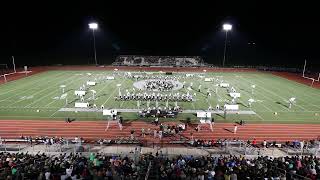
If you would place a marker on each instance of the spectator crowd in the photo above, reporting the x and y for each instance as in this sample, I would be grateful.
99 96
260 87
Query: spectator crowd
100 166
72 166
233 167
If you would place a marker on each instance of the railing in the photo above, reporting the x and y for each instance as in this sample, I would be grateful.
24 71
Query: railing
148 171
293 176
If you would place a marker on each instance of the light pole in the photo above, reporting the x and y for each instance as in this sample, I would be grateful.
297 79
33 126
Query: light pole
94 26
226 28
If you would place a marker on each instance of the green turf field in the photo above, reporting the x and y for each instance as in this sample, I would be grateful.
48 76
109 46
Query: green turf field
22 98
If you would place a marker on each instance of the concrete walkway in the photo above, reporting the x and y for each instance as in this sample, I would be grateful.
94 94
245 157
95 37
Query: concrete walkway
131 150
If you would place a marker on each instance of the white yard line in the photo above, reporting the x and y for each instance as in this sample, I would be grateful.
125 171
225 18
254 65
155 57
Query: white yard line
251 94
28 95
50 86
39 84
80 79
115 89
97 96
106 85
317 95
193 106
299 90
250 108
121 104
259 116
18 107
278 95
295 111
302 99
47 105
54 113
25 85
264 95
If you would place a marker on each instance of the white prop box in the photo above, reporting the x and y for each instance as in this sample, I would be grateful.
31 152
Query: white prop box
110 78
207 79
205 118
235 95
81 105
109 112
231 107
204 114
79 93
292 99
224 85
91 83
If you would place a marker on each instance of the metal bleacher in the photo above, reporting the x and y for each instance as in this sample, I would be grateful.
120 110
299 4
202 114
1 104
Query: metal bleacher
174 61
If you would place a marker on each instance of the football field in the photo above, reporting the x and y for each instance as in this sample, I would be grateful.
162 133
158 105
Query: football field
41 96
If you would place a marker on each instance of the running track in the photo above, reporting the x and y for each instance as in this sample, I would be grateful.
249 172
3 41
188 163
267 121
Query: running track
94 130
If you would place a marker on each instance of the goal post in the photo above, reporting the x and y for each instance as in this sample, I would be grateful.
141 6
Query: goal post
304 68
313 79
4 69
8 66
14 65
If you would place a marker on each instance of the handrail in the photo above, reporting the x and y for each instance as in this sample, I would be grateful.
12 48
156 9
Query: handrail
292 174
148 171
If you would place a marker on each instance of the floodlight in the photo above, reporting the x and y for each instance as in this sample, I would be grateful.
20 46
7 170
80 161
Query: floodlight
93 26
227 27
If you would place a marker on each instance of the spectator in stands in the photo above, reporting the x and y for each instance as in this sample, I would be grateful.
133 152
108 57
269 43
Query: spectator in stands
99 166
254 142
264 143
131 134
160 134
30 140
72 166
120 120
155 134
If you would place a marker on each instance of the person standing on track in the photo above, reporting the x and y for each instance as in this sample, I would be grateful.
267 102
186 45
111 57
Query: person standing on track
155 134
235 129
142 132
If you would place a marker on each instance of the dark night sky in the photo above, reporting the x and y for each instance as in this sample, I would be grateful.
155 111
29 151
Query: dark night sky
58 32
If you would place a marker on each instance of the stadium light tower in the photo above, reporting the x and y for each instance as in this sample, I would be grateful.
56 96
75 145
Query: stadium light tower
226 28
94 26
